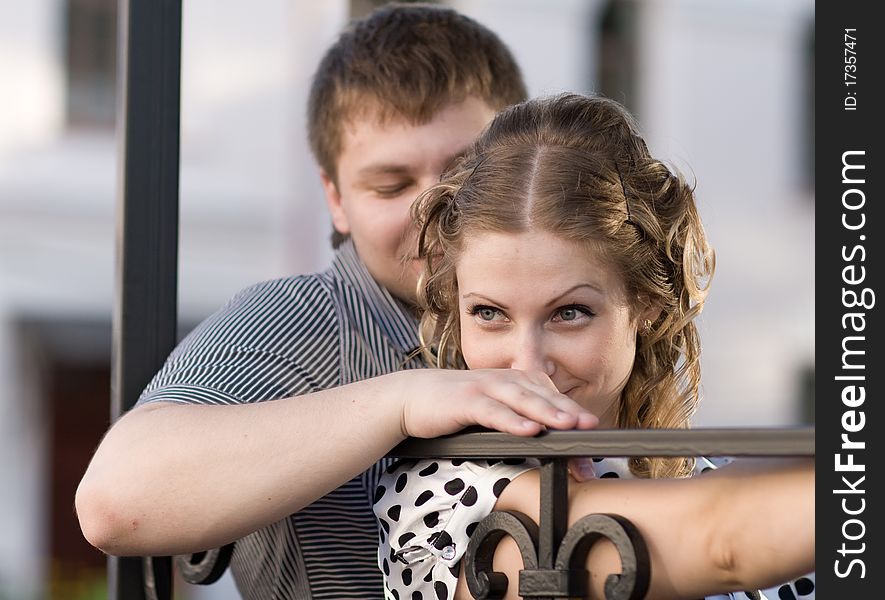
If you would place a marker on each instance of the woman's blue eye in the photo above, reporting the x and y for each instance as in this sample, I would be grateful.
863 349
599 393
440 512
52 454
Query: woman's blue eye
568 314
572 313
487 314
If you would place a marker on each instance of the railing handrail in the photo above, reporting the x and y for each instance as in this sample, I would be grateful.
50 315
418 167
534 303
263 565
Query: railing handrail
719 441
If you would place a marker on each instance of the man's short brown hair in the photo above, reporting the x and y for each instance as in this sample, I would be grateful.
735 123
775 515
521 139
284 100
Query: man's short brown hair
406 61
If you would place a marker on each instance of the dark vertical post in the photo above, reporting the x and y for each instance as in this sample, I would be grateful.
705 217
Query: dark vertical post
554 510
553 521
145 303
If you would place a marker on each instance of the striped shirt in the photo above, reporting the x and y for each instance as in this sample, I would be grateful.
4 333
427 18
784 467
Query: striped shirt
284 338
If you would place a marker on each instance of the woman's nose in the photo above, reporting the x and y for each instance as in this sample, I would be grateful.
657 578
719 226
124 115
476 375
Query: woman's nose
529 354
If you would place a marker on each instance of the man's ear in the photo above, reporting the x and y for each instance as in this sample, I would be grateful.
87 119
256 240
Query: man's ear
333 201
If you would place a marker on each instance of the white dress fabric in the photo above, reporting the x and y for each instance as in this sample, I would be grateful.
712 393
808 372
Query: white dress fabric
428 509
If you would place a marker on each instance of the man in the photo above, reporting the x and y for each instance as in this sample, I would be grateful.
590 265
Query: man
205 458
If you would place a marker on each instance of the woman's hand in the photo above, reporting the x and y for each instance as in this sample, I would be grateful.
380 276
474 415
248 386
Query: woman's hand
436 402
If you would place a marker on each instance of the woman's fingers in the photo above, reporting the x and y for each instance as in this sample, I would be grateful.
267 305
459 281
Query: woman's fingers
507 400
539 403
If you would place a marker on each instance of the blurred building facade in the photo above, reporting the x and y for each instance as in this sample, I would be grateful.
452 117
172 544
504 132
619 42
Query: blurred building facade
723 89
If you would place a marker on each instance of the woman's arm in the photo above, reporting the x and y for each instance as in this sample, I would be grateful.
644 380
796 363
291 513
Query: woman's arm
740 527
178 478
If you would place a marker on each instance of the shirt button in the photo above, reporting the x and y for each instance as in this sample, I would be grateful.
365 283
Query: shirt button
448 553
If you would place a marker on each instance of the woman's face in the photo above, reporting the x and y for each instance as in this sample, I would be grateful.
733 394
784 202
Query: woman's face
535 301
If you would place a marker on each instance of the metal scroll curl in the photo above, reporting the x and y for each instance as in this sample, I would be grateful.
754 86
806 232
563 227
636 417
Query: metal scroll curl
632 582
482 581
568 576
204 568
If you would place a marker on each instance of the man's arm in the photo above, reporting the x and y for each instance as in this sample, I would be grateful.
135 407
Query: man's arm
173 478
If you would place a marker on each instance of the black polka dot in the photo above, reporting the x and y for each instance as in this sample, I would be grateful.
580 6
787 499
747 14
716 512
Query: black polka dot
455 569
499 486
424 497
407 576
804 586
393 556
391 468
401 482
382 535
610 475
470 496
785 593
454 486
431 519
429 577
417 596
432 537
404 538
379 493
514 461
458 462
395 594
406 463
429 469
594 459
385 566
441 590
471 528
394 511
442 540
384 525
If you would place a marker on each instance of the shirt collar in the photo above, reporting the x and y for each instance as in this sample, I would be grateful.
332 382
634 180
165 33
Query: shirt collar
396 318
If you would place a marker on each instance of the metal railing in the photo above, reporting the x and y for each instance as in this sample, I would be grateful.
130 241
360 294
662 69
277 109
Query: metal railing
553 554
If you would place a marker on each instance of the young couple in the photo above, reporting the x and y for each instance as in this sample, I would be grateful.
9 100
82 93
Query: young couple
562 265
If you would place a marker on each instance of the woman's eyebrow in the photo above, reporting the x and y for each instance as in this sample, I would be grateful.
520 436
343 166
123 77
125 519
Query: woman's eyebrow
482 298
590 286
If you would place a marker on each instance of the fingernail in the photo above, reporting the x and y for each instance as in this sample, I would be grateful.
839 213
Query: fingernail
588 420
582 469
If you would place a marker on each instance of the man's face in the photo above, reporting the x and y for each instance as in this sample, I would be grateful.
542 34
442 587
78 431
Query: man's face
382 168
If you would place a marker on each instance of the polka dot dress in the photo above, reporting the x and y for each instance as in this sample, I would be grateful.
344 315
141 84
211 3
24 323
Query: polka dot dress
427 510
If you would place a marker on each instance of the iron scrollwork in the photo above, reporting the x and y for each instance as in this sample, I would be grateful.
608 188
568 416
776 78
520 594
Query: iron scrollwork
157 577
204 568
559 574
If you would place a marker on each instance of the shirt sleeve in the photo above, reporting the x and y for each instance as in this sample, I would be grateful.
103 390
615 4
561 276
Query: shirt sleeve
427 511
275 339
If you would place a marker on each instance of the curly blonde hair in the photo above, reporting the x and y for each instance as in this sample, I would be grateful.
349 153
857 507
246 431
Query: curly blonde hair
576 166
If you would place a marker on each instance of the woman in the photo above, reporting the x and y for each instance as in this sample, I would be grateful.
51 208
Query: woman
560 247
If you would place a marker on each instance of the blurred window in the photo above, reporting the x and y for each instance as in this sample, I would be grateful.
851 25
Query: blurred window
360 8
617 52
807 141
91 61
